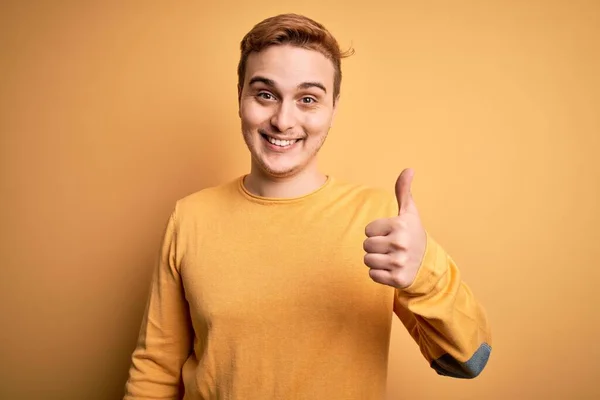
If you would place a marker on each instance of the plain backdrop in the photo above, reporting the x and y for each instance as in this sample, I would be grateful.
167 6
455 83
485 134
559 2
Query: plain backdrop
111 111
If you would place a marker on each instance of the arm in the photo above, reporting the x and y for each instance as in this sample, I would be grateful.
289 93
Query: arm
444 318
165 338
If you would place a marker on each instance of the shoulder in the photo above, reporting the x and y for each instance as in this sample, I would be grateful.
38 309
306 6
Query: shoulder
206 200
366 196
360 190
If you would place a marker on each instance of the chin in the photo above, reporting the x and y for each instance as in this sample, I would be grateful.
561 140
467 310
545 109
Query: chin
278 170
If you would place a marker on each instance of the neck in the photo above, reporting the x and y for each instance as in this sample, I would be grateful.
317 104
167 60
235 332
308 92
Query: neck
304 182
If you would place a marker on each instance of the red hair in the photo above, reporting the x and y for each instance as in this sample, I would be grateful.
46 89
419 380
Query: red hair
296 30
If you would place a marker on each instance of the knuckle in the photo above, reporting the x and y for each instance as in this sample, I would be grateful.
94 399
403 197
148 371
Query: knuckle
396 223
404 259
401 239
399 260
395 244
399 223
399 280
399 283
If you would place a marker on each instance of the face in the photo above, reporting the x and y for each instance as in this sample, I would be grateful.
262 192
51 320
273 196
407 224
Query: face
286 108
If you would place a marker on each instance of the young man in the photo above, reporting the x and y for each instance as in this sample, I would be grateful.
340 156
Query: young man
262 291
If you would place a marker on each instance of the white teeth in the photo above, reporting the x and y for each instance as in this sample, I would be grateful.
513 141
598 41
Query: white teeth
282 143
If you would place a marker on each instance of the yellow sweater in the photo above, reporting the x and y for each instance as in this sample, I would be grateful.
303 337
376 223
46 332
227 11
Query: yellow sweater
259 298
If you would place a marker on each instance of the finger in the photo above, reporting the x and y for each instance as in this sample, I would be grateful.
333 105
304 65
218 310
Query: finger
403 189
381 276
377 261
377 244
379 227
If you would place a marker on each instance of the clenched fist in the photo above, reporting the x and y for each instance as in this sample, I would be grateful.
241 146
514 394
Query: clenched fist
395 246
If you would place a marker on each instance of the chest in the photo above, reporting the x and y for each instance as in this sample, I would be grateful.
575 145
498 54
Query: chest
306 264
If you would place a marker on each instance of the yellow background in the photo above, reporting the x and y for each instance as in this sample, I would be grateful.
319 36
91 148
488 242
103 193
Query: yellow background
109 112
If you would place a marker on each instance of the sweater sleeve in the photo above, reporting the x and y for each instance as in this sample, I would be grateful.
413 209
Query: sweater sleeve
442 315
165 338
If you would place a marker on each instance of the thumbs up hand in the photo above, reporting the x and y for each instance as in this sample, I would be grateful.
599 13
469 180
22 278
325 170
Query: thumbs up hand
395 246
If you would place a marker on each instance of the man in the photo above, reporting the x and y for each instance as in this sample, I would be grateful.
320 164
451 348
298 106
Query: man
262 292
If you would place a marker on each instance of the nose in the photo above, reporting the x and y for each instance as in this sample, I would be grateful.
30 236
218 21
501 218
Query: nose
284 117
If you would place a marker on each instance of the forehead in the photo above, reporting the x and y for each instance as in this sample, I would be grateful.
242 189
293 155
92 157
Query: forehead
290 66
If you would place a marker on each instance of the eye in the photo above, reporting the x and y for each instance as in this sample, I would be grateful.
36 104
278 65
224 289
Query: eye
308 100
265 96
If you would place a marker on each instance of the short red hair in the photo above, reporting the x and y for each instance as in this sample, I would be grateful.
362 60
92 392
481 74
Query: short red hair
296 30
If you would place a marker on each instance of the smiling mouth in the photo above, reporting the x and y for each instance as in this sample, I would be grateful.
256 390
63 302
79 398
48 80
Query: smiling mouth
278 142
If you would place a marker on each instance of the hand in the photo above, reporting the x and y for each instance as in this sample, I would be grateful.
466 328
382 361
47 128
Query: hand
395 246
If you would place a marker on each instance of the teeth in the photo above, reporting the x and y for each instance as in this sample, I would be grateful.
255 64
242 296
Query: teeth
282 143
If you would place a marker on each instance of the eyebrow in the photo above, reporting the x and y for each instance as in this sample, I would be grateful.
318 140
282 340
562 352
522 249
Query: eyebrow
306 85
271 83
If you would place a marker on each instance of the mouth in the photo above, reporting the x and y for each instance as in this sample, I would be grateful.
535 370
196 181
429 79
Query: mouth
278 143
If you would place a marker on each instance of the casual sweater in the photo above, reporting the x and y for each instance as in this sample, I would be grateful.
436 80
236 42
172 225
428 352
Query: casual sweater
266 298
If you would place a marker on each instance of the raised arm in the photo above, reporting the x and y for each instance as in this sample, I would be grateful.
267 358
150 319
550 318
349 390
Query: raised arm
435 305
443 316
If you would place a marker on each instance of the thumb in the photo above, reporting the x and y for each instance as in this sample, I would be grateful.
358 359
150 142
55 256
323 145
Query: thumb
403 194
